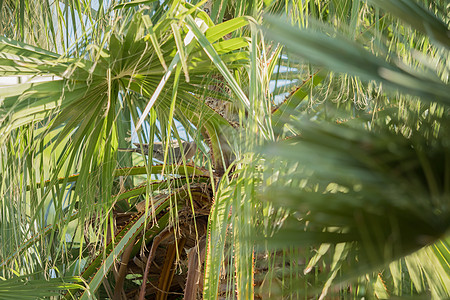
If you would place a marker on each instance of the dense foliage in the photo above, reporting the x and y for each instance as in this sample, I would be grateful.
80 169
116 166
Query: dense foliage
322 158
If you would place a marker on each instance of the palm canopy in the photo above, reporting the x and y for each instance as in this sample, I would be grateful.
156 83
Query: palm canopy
270 179
373 187
76 114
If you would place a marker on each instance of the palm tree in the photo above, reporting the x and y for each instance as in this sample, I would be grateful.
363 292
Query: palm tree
275 190
366 179
84 115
